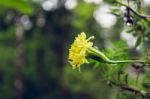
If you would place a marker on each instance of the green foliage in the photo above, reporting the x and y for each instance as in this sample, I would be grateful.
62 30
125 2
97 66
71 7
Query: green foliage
119 50
83 13
146 83
86 82
83 10
140 30
140 26
126 95
7 63
19 5
120 73
115 72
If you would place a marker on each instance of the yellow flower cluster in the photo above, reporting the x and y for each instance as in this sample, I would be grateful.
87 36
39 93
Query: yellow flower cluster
78 50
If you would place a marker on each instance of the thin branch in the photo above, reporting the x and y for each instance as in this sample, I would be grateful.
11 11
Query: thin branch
19 58
135 12
135 91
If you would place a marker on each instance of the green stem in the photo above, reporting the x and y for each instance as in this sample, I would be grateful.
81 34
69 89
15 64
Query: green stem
98 55
126 61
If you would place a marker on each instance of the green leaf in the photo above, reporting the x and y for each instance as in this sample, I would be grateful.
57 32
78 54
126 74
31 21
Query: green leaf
115 11
130 30
119 50
146 82
138 41
19 5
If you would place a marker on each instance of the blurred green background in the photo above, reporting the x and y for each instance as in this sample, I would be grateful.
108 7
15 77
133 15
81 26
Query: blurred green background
35 36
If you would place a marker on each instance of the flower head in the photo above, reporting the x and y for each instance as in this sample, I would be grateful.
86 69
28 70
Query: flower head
78 50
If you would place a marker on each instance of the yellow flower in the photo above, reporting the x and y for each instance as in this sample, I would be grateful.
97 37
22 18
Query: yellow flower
82 47
78 50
